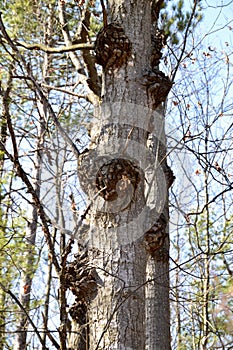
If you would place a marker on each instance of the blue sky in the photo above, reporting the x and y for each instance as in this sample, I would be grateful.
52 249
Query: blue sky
217 21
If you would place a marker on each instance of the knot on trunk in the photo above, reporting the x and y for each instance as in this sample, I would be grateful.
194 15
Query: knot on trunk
170 177
81 278
78 312
158 86
154 238
118 178
112 46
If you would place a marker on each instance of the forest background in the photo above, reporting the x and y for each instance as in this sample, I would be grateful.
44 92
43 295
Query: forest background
48 119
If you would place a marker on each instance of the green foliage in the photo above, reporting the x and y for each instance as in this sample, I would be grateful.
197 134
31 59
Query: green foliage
95 26
13 248
26 19
175 19
223 309
214 239
20 15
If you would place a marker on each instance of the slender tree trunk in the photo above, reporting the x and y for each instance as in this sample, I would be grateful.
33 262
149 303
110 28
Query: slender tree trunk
2 318
27 274
28 270
3 138
125 176
46 304
207 259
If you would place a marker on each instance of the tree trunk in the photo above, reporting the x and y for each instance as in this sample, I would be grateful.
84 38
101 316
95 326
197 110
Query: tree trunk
3 139
127 179
27 273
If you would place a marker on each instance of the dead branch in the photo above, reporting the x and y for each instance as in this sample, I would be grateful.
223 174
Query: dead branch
53 50
73 56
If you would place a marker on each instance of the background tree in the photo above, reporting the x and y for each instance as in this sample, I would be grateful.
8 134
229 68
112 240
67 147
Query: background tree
201 212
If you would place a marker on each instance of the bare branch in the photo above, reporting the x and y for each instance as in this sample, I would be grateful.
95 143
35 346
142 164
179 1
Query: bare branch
185 40
21 173
50 87
24 310
51 338
83 37
73 56
210 201
53 50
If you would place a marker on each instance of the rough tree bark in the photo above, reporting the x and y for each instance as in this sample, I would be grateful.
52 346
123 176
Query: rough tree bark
122 299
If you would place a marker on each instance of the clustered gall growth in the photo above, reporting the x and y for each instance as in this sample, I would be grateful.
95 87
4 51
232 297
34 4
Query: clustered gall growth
115 176
112 47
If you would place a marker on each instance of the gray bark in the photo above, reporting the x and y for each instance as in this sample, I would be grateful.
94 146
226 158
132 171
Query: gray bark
128 239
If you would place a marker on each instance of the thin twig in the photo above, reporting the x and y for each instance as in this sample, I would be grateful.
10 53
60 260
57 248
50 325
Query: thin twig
21 173
184 41
48 333
8 291
52 87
